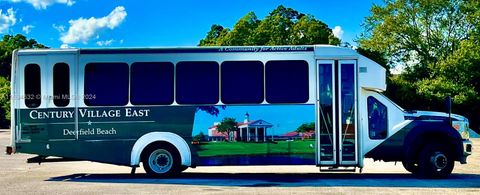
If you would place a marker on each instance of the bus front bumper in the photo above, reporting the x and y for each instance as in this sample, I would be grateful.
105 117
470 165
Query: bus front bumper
467 151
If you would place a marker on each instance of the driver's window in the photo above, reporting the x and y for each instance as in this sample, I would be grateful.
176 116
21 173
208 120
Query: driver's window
377 119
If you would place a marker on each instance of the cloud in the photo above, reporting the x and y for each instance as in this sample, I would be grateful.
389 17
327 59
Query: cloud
59 28
7 20
82 30
105 43
337 32
27 29
43 4
65 46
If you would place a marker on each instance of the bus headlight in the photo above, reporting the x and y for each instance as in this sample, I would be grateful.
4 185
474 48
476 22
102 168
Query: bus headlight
466 134
462 128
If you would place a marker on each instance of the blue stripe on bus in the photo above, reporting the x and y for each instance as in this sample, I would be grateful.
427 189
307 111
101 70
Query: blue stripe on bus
199 50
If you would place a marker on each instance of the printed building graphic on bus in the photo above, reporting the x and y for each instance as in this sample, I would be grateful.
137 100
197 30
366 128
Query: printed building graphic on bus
247 131
265 135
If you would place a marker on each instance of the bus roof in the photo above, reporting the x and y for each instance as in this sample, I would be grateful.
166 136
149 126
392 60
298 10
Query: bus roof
317 49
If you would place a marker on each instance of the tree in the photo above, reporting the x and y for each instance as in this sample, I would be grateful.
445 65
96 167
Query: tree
199 137
416 33
228 126
215 36
4 102
306 127
437 43
242 32
283 26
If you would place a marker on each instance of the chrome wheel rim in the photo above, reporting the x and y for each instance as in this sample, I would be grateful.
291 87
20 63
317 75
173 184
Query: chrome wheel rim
160 161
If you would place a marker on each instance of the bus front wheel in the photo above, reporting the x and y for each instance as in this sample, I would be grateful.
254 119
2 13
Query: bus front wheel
161 160
410 166
435 161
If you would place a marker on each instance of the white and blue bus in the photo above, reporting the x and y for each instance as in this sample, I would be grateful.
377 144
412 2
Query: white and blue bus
173 108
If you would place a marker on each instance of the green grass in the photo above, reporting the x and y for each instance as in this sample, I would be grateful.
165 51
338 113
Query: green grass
243 148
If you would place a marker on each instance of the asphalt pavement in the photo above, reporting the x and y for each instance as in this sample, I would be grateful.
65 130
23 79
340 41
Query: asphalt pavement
83 177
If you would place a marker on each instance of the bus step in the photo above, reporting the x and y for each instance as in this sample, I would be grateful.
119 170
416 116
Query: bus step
42 159
338 169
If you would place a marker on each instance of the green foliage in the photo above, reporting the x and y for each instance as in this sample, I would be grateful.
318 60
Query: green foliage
199 137
228 126
283 26
416 33
4 102
212 110
215 36
438 43
306 127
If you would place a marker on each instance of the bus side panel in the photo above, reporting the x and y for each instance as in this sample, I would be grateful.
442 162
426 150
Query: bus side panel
105 134
264 134
408 141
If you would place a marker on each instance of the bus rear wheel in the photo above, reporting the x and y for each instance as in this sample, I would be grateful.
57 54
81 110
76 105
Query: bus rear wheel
161 161
435 161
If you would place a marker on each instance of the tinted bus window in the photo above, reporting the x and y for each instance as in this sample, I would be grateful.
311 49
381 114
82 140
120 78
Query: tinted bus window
197 83
242 82
151 83
377 119
61 84
286 81
33 96
106 84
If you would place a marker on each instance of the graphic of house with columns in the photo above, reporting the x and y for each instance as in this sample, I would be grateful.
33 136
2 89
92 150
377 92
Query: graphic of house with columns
248 131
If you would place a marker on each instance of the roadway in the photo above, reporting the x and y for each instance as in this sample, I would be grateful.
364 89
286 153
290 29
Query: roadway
18 177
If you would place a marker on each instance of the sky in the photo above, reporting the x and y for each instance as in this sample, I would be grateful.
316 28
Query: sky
153 23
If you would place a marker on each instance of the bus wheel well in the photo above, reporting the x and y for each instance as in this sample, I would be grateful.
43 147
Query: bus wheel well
413 152
161 139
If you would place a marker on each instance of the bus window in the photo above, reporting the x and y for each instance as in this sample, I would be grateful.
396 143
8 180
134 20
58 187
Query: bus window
151 83
61 84
377 119
286 81
106 84
197 83
246 75
33 96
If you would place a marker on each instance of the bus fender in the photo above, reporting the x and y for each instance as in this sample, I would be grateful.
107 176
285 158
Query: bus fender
434 131
172 138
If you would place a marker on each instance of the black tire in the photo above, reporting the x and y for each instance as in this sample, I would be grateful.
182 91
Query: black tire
410 166
183 168
161 160
435 161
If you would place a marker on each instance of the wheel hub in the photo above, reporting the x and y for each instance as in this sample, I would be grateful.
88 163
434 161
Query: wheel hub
160 161
439 160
